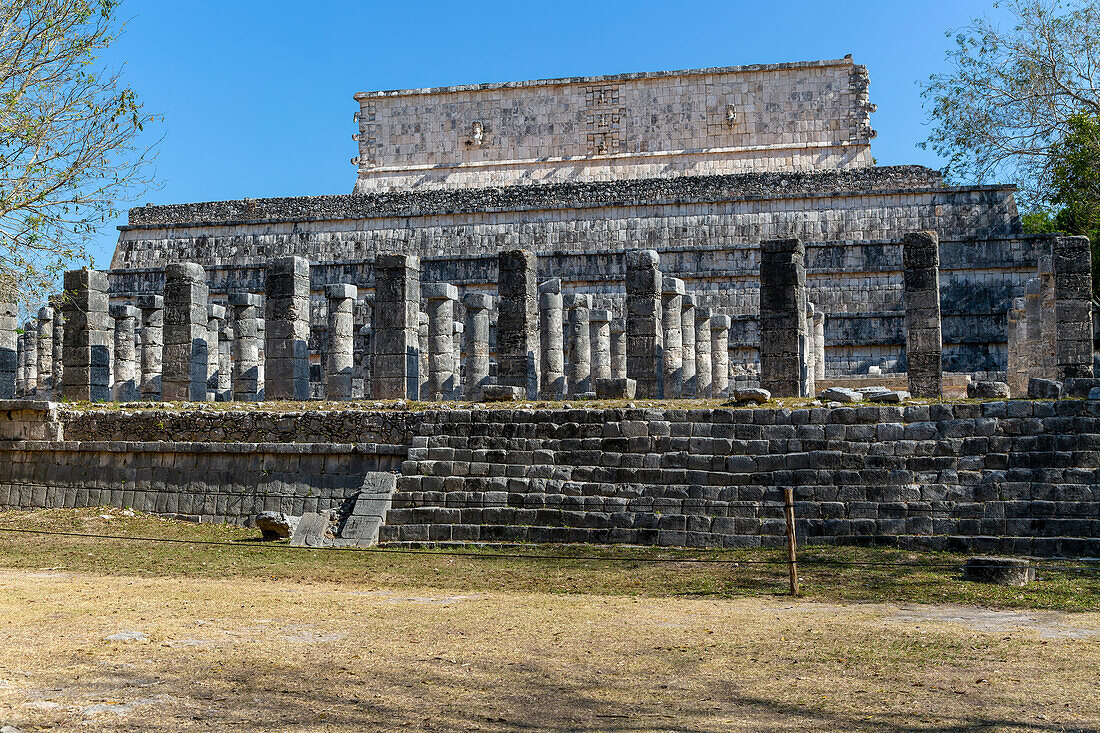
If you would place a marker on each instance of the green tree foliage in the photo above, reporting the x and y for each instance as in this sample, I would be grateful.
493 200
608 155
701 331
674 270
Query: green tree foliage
70 134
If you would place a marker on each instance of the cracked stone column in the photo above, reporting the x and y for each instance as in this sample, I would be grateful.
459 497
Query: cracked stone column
552 340
215 323
644 335
811 352
1023 350
1048 325
9 348
579 336
225 361
363 358
923 342
518 321
186 334
363 322
689 381
245 312
1033 316
618 348
30 349
783 338
86 352
340 354
599 321
422 349
1012 349
457 356
395 339
125 388
1073 307
152 343
720 355
819 345
57 302
441 298
286 321
672 305
704 379
20 365
478 307
45 353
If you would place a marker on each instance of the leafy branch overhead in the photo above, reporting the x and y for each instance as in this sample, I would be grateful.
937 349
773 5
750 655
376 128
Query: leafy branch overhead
70 136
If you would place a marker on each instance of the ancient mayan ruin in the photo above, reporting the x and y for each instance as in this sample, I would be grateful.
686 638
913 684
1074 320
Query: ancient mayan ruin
718 235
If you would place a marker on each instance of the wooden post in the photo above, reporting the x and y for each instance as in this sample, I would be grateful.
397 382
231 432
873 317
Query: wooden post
792 557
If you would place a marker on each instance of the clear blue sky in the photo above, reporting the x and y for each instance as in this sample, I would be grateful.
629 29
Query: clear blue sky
257 96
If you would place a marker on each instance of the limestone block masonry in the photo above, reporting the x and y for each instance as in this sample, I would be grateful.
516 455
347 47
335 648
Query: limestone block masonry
87 337
923 339
186 335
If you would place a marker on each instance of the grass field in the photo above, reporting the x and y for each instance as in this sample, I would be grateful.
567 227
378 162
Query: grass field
238 634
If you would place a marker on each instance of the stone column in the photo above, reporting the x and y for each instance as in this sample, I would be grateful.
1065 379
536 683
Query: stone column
783 338
244 312
643 322
1023 350
456 356
552 340
9 348
579 337
152 343
518 321
87 335
422 351
125 388
21 365
186 334
1048 322
286 320
215 322
618 348
1012 350
225 361
599 321
689 382
672 304
811 350
30 349
395 341
363 358
720 356
45 353
703 374
340 354
819 345
441 299
1073 307
1033 315
57 303
478 306
923 343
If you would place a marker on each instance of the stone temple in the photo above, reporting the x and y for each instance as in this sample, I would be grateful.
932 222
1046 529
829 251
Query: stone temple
699 165
712 235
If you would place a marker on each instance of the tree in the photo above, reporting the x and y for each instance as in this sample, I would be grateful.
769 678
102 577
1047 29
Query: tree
70 136
1011 95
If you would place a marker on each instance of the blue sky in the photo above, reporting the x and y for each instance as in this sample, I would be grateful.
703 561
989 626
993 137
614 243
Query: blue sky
257 96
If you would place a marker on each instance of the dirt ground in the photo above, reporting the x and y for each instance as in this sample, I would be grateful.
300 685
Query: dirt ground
82 651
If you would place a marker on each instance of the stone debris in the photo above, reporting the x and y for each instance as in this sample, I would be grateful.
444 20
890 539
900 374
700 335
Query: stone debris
888 397
502 393
841 394
750 394
275 525
128 636
987 391
314 530
1010 571
616 388
1043 389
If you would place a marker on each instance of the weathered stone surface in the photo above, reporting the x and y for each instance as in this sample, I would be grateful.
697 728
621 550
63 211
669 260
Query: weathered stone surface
517 320
286 324
87 337
750 394
1011 571
152 343
616 388
840 394
672 299
395 340
1043 389
244 311
340 354
314 529
126 387
783 333
1073 308
644 332
888 397
923 340
478 307
441 299
502 393
987 390
275 525
578 343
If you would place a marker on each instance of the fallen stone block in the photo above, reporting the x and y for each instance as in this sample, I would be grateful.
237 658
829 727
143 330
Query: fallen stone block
616 388
999 570
313 530
749 394
841 394
275 525
1043 389
987 391
1080 387
888 397
502 393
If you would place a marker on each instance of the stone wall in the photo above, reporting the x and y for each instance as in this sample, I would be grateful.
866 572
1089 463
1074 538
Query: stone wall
796 116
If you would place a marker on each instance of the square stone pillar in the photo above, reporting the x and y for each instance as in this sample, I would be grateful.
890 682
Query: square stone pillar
810 378
1047 319
458 341
819 345
9 348
186 333
30 351
672 303
215 324
783 338
226 336
599 321
689 380
923 341
1033 315
57 302
720 356
704 377
518 321
340 354
579 341
395 368
20 365
1012 348
478 307
422 349
45 353
644 334
244 315
86 352
286 320
551 341
1073 307
618 348
441 298
125 388
152 343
